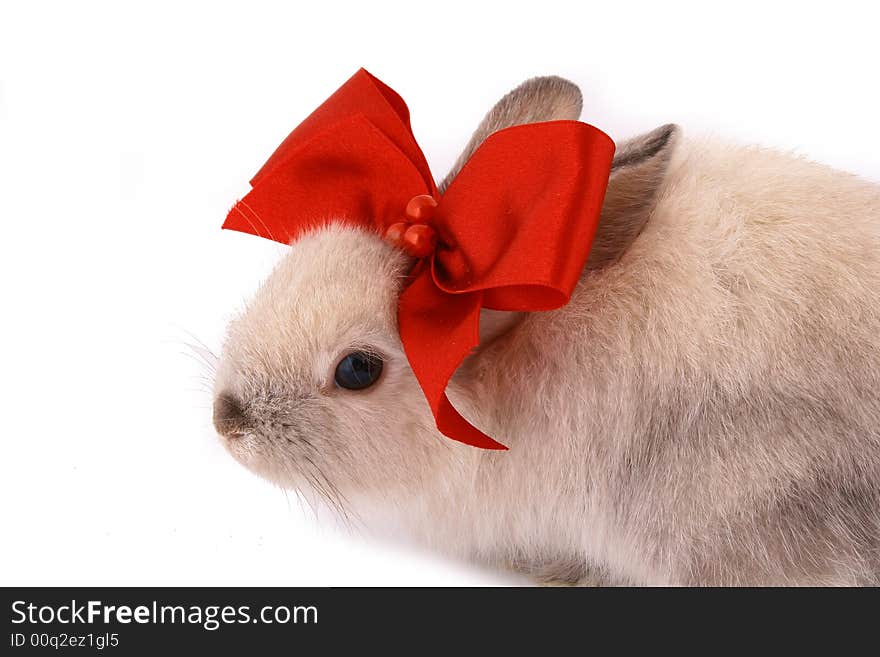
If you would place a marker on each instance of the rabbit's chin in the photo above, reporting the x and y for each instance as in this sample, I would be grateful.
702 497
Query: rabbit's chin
248 451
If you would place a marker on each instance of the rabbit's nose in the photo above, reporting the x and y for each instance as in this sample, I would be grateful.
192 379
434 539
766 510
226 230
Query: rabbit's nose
229 418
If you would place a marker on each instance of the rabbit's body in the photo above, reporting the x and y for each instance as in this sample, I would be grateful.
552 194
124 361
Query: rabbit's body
705 410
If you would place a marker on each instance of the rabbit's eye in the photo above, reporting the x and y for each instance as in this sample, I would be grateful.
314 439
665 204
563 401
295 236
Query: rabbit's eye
358 370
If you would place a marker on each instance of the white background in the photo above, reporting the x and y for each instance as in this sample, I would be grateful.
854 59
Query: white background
127 133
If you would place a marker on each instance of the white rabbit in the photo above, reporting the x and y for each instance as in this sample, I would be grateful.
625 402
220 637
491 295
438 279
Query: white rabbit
705 410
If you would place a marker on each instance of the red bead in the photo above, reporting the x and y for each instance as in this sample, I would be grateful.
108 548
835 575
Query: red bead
420 208
419 240
394 233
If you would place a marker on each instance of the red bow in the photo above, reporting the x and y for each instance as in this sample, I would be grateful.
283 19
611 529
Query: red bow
512 232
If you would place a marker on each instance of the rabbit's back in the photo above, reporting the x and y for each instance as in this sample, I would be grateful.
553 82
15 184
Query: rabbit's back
714 394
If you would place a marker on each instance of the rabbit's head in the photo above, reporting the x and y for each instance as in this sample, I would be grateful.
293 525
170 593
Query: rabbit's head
314 390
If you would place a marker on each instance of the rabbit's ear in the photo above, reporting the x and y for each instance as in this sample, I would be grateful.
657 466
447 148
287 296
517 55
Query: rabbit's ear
637 174
548 98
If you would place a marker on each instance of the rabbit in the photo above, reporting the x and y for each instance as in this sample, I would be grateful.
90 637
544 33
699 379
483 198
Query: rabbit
705 411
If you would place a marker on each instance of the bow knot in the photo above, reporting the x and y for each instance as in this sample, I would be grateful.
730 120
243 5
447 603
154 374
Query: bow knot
511 232
416 236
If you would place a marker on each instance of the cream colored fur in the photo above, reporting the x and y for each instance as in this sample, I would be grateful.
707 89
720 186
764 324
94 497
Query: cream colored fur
705 410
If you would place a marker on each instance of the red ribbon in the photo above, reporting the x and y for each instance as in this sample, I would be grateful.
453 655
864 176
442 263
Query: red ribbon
512 232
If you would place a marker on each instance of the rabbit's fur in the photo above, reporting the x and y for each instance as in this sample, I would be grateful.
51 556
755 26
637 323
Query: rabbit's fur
705 410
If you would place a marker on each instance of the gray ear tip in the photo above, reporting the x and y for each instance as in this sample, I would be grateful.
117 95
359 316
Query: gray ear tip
664 136
559 85
667 136
568 89
659 142
551 91
670 130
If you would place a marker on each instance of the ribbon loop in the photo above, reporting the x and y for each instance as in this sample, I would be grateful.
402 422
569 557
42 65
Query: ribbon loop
512 232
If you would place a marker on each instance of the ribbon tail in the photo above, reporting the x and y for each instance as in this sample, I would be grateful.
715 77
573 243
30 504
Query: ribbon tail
438 331
452 425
